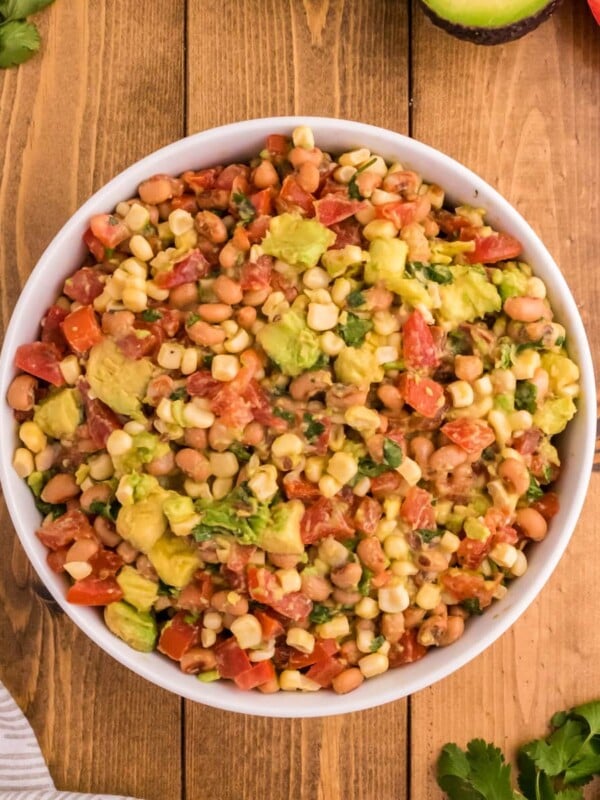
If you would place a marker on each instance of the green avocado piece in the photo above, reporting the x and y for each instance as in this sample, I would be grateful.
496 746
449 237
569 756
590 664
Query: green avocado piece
174 560
511 281
488 21
290 343
469 296
562 372
143 523
146 447
60 414
475 529
387 259
118 381
301 242
136 628
554 414
138 591
282 533
358 366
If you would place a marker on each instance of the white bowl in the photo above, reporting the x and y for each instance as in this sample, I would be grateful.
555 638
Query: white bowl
238 142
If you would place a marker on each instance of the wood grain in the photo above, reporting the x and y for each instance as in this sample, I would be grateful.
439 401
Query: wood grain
106 89
525 117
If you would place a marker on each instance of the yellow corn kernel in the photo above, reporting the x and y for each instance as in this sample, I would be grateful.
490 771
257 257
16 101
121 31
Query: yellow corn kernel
366 608
69 367
239 342
410 471
170 355
135 299
247 631
329 486
316 278
536 288
395 547
340 291
403 568
137 217
331 344
300 640
155 292
525 364
289 580
449 542
385 355
263 484
385 323
362 419
189 361
379 228
364 640
483 386
342 466
78 569
362 487
503 381
223 465
186 241
292 680
344 174
141 248
334 628
393 599
180 221
32 436
221 488
302 136
353 158
45 458
428 596
23 463
286 445
373 664
101 467
520 566
132 268
322 316
366 214
520 420
207 637
499 422
461 393
504 554
380 197
225 367
375 164
119 442
500 497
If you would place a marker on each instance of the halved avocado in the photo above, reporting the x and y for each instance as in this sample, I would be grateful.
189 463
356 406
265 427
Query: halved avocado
488 21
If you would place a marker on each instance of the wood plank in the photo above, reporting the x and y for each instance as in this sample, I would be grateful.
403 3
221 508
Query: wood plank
324 57
106 89
524 116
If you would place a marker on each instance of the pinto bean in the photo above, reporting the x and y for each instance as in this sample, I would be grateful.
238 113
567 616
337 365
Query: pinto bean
342 396
106 532
118 323
265 175
422 448
184 295
315 587
60 488
160 188
432 560
198 659
350 653
21 393
82 550
413 617
532 523
163 465
215 312
246 317
222 601
346 597
193 463
220 437
254 434
159 387
378 299
371 554
515 474
347 681
227 290
390 397
127 552
206 335
211 227
432 630
447 458
527 309
145 568
196 438
348 576
455 628
309 177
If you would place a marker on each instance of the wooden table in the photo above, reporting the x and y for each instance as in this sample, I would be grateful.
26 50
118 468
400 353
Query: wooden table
118 79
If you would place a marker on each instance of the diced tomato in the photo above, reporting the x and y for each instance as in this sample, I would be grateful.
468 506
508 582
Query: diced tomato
51 327
94 592
301 488
257 229
449 223
494 248
285 284
178 636
84 285
239 556
40 359
202 384
528 441
231 408
134 347
326 517
417 343
262 201
262 406
425 395
271 627
278 145
260 673
265 588
595 8
256 275
323 649
347 232
202 180
406 650
464 586
385 484
191 268
471 552
195 597
109 229
403 212
498 522
323 672
65 529
548 505
101 420
186 201
333 208
292 197
81 329
473 435
231 659
416 509
94 245
228 177
105 563
294 605
56 559
367 515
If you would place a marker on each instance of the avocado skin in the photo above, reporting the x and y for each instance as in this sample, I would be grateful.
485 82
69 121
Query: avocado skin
489 36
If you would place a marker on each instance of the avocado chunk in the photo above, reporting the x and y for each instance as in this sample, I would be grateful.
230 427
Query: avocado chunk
488 21
301 242
358 366
290 343
554 414
136 628
387 259
174 560
282 533
511 281
138 591
469 296
118 381
60 414
142 524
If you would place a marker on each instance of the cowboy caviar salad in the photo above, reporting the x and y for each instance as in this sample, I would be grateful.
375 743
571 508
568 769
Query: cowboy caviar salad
291 422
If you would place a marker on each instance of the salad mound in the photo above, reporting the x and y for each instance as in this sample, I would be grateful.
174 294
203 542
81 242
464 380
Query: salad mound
291 422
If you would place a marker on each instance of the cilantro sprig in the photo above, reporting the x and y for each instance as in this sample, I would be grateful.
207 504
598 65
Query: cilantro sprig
551 768
19 38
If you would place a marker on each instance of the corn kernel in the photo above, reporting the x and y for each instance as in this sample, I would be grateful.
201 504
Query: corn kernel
373 664
155 292
461 393
32 436
302 136
520 421
316 278
449 542
141 248
483 386
292 680
385 323
525 364
329 486
501 426
289 580
70 369
300 640
410 471
225 367
132 269
137 217
331 344
536 288
354 158
119 442
379 228
207 637
503 381
375 164
321 316
23 463
332 552
135 299
197 490
344 174
395 547
403 568
366 214
362 419
428 596
340 291
247 631
180 221
364 640
342 466
504 554
520 566
239 342
213 621
334 628
314 468
170 355
223 465
286 445
366 608
78 569
362 487
263 484
393 599
101 467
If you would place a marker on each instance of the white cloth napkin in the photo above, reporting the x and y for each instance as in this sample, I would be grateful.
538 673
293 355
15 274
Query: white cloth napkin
23 771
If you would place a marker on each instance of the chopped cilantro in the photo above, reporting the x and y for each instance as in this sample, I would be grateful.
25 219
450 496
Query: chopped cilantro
167 591
471 604
504 356
354 331
538 345
534 492
458 341
314 428
364 584
353 190
245 209
392 453
436 273
192 319
288 416
368 467
526 396
355 299
57 510
239 451
322 362
207 360
560 342
428 534
109 252
191 619
376 643
321 613
178 394
107 510
151 315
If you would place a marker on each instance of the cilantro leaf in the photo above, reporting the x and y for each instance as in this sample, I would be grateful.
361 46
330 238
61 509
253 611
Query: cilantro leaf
19 9
321 613
436 273
534 493
458 342
178 394
392 453
57 510
239 451
288 416
192 319
314 428
353 190
526 396
245 208
472 605
19 40
151 315
427 534
569 794
368 467
364 584
355 329
355 299
376 643
590 712
107 510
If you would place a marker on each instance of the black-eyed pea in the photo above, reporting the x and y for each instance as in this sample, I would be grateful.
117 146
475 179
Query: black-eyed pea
532 523
515 474
347 681
60 488
454 630
21 393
